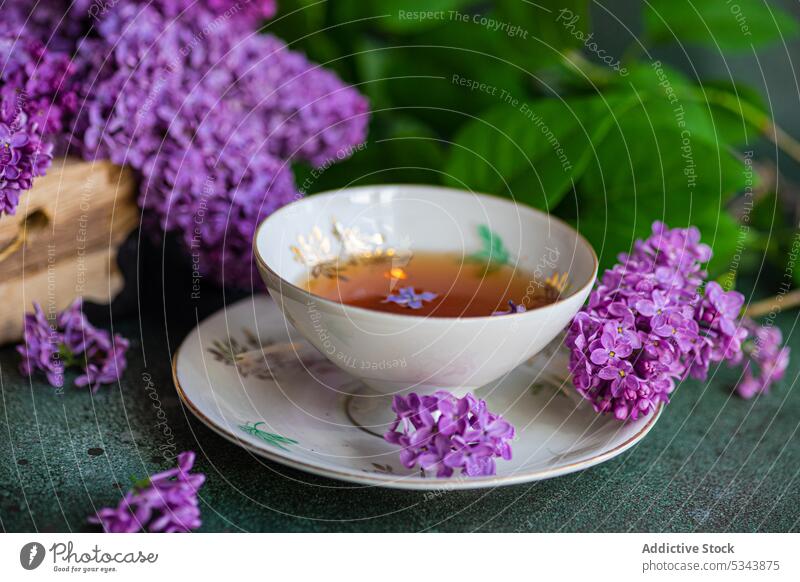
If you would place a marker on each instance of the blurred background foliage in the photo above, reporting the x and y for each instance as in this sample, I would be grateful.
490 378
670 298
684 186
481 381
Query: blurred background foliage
564 106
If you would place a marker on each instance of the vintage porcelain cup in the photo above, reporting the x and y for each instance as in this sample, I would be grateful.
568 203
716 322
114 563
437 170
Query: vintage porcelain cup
399 353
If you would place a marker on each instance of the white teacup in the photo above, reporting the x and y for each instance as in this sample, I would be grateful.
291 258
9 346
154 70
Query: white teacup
399 353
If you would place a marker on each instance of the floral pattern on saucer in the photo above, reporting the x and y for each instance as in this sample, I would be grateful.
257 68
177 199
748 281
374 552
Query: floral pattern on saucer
310 415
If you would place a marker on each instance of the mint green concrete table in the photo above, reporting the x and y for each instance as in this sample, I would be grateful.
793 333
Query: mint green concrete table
714 462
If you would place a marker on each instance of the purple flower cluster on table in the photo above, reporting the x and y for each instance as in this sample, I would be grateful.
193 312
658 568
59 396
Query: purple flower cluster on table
407 297
653 321
166 502
767 361
444 433
51 346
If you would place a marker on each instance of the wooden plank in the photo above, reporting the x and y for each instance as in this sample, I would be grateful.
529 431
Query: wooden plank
95 277
77 205
62 242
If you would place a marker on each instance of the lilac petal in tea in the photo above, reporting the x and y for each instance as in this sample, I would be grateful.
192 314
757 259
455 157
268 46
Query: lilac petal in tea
407 297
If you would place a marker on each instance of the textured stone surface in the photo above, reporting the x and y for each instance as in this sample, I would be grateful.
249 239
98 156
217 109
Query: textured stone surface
714 462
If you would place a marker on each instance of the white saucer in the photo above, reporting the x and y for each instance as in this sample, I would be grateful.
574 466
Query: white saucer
288 403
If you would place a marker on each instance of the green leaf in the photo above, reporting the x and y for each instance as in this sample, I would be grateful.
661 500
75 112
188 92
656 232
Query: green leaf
139 483
403 16
438 93
550 28
453 72
295 16
670 100
650 167
531 151
372 61
737 110
306 27
66 356
711 112
400 150
730 25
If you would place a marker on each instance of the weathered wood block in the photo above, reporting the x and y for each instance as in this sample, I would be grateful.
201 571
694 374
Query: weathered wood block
62 242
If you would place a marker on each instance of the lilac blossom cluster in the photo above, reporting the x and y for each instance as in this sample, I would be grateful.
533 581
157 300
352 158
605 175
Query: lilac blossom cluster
767 359
36 82
652 321
445 433
64 23
212 115
37 98
70 340
165 502
23 156
246 14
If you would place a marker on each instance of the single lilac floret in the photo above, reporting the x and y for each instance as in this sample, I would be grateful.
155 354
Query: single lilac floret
512 308
443 433
166 502
407 297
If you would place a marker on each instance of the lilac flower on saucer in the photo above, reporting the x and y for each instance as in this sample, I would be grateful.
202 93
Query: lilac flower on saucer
512 308
407 297
441 432
164 502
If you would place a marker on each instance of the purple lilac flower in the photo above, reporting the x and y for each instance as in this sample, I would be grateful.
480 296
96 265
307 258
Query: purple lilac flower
767 361
42 347
166 502
407 297
651 321
212 202
37 98
212 126
59 23
64 22
165 82
35 81
23 156
512 308
445 433
182 91
612 348
68 339
247 15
